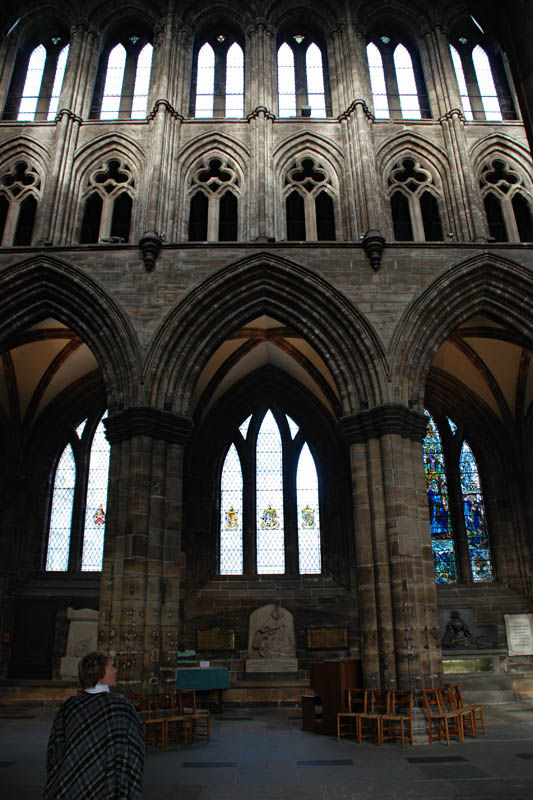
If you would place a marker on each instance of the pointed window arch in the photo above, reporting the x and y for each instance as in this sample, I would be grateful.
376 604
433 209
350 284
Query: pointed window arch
268 459
214 201
377 82
457 517
507 196
463 89
303 87
21 192
414 202
442 538
78 502
218 84
405 77
474 513
123 80
396 79
37 80
108 203
485 81
309 202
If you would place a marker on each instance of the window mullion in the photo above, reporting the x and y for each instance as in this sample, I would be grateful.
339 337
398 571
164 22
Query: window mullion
300 78
474 92
78 509
393 92
464 574
219 93
128 84
310 218
416 218
47 84
212 219
290 510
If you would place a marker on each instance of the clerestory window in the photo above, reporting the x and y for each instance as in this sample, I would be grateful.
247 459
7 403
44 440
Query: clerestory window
303 86
269 499
123 80
396 80
76 525
37 81
459 534
218 82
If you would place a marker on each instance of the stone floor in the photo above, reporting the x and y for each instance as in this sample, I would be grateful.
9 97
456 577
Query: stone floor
264 755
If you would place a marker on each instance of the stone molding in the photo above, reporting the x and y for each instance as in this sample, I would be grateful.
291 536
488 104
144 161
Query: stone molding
387 419
148 421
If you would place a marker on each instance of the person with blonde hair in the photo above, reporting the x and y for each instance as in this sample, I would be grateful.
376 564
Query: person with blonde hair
96 745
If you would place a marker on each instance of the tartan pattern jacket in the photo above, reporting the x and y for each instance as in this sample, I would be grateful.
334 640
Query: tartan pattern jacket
95 750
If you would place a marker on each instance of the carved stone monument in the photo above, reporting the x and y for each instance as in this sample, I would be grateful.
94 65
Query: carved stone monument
271 643
82 637
460 632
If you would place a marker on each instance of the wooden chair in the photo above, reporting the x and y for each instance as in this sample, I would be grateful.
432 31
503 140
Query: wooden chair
449 703
154 727
441 723
372 718
199 718
348 721
456 701
399 718
178 725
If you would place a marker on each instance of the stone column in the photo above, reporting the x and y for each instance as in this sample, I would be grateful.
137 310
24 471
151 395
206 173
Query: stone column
365 205
446 100
139 596
396 583
260 102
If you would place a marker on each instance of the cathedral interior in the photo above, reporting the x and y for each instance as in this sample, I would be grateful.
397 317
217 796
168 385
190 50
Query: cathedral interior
265 332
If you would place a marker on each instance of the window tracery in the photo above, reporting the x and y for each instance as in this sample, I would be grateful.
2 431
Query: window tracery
20 191
507 201
123 79
76 539
267 457
37 81
396 79
214 190
302 78
218 85
414 202
309 202
108 203
456 506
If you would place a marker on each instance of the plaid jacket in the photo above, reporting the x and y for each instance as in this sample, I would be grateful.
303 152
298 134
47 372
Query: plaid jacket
96 750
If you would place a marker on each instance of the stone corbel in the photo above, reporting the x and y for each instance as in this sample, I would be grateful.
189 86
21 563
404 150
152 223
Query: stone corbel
373 243
150 244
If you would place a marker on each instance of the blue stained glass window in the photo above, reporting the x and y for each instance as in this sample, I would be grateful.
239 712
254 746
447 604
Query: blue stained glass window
439 516
475 521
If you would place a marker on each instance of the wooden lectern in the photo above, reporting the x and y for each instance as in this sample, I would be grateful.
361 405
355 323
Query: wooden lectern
330 680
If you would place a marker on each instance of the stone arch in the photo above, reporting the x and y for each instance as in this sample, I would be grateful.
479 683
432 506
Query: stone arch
266 284
408 18
88 158
485 284
46 287
498 144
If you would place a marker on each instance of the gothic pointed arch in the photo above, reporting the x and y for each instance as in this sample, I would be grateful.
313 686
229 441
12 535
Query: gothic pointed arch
46 287
498 288
258 285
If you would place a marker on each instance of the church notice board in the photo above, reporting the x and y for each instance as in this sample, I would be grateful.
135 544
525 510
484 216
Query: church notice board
519 628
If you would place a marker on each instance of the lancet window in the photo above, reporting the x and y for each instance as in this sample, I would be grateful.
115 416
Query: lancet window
123 80
396 80
303 86
260 513
20 191
414 203
218 84
78 504
309 202
108 203
507 200
37 81
213 210
459 534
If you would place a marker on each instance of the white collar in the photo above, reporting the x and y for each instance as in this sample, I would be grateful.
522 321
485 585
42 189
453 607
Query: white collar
100 687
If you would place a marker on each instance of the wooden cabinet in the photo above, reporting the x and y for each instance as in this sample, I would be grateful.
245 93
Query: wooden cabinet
329 680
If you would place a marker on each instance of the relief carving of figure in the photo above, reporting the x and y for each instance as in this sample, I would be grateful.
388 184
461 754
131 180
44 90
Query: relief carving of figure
271 633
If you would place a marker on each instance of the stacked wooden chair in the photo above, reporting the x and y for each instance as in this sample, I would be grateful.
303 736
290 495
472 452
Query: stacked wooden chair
178 724
473 714
398 721
371 720
349 722
442 722
154 727
199 718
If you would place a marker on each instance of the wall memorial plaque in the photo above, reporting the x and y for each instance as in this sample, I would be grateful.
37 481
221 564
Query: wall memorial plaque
519 629
327 638
215 639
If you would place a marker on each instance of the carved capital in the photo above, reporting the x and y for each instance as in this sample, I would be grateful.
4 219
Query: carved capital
384 420
373 244
148 421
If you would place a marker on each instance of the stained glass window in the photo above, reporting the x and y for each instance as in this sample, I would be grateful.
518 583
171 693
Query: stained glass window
487 89
231 551
308 514
439 516
269 499
405 77
475 522
32 84
142 83
205 85
315 81
244 427
61 516
292 426
63 511
113 83
93 539
235 81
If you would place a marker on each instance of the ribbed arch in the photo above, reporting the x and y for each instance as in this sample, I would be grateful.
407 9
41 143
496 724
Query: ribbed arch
46 287
264 284
488 285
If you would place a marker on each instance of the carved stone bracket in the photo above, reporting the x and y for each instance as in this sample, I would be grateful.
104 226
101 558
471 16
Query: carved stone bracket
383 420
373 244
148 421
150 244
